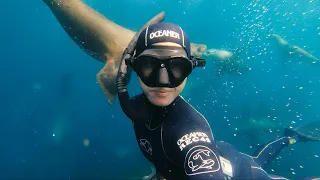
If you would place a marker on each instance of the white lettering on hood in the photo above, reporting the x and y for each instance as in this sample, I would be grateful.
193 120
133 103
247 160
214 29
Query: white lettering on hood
161 33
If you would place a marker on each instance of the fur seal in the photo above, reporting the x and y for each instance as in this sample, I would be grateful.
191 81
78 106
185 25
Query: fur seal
226 62
292 51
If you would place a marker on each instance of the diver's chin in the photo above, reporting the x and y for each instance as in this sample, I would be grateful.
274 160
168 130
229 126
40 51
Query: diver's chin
161 99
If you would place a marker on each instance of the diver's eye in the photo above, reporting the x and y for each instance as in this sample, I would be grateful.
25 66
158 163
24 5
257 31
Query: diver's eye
147 68
179 67
146 65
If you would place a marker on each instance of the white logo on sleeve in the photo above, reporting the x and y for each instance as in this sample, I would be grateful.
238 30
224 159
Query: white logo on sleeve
199 160
226 167
191 138
146 146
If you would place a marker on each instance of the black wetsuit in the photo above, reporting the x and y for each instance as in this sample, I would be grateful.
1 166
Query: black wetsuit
178 140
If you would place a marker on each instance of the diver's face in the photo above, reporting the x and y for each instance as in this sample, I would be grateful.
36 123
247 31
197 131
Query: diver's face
161 96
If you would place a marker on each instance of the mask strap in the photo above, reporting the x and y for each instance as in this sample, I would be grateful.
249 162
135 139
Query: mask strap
198 62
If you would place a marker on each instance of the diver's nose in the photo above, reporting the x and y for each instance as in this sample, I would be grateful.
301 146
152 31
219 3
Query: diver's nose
163 75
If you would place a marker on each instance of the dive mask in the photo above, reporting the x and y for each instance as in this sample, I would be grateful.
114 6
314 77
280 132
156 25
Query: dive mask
164 66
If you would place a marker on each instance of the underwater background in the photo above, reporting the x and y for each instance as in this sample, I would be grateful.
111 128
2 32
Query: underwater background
55 122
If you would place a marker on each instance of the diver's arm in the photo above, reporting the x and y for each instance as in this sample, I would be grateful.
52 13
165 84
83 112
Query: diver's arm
93 33
200 160
266 153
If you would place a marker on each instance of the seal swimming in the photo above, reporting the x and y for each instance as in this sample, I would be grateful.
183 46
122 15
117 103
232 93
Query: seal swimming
288 50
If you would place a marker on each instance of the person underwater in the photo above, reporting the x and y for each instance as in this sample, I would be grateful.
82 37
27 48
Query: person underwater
173 135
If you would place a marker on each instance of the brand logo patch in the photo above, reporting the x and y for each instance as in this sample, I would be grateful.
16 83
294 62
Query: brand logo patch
162 33
199 160
146 146
192 137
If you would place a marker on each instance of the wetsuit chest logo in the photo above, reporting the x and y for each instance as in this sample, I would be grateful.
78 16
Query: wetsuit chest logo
191 138
199 160
146 146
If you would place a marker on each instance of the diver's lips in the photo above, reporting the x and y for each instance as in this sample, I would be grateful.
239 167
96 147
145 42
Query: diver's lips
160 92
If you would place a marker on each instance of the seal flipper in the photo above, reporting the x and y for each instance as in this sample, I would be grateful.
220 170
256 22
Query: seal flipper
106 81
107 78
96 35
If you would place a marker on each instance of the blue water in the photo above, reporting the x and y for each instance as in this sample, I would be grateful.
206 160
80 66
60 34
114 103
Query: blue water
42 137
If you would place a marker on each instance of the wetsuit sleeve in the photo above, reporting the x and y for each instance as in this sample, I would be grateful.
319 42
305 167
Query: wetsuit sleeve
269 151
192 147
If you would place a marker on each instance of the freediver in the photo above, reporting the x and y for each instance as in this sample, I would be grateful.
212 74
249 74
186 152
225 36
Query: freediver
172 135
167 125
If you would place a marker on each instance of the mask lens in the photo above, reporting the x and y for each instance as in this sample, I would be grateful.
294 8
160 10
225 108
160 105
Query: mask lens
146 66
162 72
179 67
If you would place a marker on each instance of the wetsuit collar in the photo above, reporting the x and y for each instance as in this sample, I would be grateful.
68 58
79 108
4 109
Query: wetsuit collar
158 114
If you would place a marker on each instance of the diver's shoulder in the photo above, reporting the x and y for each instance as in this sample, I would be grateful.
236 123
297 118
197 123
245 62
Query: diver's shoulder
183 102
187 120
139 101
189 109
